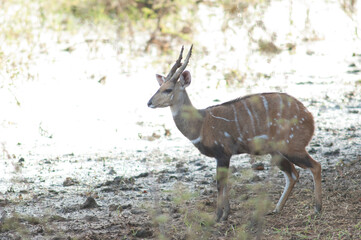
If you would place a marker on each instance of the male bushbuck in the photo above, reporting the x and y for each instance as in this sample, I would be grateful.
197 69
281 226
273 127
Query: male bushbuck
265 123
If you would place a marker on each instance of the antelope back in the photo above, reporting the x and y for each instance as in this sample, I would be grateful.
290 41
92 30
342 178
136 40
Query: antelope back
259 124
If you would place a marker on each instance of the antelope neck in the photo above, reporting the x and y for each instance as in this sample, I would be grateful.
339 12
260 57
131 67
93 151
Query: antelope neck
187 118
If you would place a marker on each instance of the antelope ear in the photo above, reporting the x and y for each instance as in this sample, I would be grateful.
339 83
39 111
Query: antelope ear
160 79
185 79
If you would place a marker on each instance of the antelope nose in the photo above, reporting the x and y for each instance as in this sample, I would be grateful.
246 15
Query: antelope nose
149 102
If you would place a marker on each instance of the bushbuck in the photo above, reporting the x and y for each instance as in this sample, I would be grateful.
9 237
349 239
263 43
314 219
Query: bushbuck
266 123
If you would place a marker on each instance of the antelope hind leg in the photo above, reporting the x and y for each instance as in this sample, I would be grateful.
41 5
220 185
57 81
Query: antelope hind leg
305 161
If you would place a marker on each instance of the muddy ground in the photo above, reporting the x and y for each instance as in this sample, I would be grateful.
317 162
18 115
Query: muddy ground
178 203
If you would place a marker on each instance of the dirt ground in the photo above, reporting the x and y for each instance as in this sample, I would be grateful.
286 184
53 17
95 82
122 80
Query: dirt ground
149 208
178 201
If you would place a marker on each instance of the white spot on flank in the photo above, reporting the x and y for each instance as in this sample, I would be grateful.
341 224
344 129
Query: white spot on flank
291 136
265 137
295 116
302 119
250 117
215 142
222 118
240 139
262 136
287 141
226 134
292 129
197 140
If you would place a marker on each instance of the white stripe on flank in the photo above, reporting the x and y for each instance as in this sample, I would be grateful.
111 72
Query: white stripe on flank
265 104
298 108
237 123
250 117
281 104
225 119
197 140
255 115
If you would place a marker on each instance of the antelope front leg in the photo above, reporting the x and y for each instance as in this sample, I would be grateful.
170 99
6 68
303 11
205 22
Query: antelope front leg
223 207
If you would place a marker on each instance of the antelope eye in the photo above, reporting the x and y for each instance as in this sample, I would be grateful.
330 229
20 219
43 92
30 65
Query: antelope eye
168 90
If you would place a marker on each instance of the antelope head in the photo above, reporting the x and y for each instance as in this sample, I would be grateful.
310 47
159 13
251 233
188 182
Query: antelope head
171 90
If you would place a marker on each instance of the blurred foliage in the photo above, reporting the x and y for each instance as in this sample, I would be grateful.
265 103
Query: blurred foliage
233 77
164 20
141 24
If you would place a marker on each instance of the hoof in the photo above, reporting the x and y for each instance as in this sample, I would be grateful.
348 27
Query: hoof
219 215
222 216
318 209
274 212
